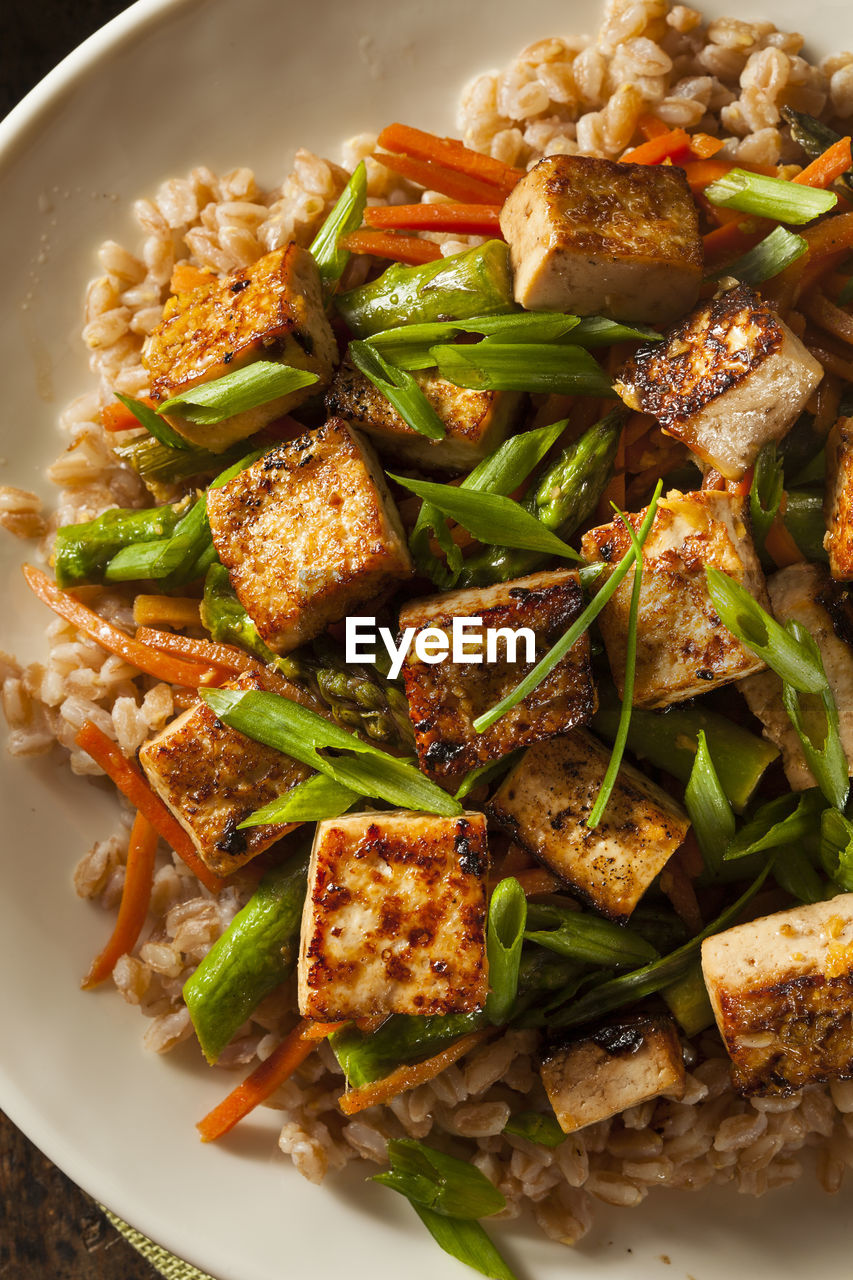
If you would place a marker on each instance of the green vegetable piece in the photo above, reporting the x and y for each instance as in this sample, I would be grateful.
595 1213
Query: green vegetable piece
81 552
155 425
805 523
784 821
477 282
256 953
598 331
765 494
770 197
709 808
794 872
410 346
556 368
400 389
310 801
345 216
688 1002
225 618
766 259
159 465
536 1127
815 718
466 1241
448 1186
257 383
814 137
579 935
402 1038
504 936
836 848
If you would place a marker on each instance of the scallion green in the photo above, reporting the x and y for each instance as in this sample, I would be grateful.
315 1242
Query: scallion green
836 848
524 366
451 1187
313 800
765 493
400 389
579 935
786 820
258 383
152 422
465 1240
764 197
504 936
766 259
345 216
536 1127
815 718
709 809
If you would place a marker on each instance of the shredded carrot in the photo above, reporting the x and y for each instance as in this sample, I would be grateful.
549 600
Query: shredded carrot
151 661
732 239
651 127
135 900
319 1030
225 656
451 154
130 782
823 171
740 488
117 417
537 880
638 425
186 277
700 173
258 1086
657 149
704 145
165 611
828 316
713 481
465 219
408 1077
781 547
387 244
435 177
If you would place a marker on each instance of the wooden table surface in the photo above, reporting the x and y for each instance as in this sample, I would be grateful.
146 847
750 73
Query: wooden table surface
49 1229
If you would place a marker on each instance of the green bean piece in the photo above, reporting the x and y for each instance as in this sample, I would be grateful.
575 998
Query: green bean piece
82 552
477 282
402 1038
256 953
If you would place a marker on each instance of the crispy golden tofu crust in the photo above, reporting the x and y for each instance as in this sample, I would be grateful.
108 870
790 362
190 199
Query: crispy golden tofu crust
394 919
446 698
838 504
212 777
683 649
544 803
272 311
307 531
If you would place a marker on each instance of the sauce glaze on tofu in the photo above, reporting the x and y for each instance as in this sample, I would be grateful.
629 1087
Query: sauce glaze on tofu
727 380
683 649
543 803
782 992
591 236
272 311
395 916
447 697
307 531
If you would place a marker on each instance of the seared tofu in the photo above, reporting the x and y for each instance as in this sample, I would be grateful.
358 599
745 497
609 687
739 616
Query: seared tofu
838 503
476 421
796 593
212 777
270 311
593 237
395 917
545 801
683 649
446 697
307 531
782 992
617 1065
726 381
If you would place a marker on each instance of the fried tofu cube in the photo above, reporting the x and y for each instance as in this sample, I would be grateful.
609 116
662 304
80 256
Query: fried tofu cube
619 1064
272 310
838 503
798 592
307 531
476 422
543 803
212 777
593 237
729 379
395 917
683 649
782 992
447 695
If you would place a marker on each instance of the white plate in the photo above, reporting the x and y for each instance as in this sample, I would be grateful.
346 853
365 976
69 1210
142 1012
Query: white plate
234 82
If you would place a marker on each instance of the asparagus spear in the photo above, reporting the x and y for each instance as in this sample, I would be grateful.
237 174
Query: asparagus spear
82 552
477 282
401 1038
256 954
225 618
561 497
159 466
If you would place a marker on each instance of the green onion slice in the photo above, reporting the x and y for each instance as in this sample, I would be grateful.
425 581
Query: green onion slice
346 216
465 1240
765 197
598 331
578 935
794 872
310 801
504 936
836 848
815 718
784 821
451 1187
400 389
258 383
766 259
765 493
709 809
523 366
153 423
536 1127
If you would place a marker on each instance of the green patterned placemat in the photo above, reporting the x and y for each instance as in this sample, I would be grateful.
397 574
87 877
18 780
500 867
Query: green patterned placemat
170 1267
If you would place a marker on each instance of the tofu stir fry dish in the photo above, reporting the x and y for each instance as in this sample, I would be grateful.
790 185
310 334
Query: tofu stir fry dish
451 576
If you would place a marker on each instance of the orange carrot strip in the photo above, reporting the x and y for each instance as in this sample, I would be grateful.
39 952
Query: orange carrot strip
135 900
407 1077
451 153
169 611
537 880
828 316
459 186
387 244
319 1030
225 656
700 173
152 662
730 241
117 417
740 488
823 171
651 127
258 1086
130 782
657 149
466 219
186 277
781 547
704 145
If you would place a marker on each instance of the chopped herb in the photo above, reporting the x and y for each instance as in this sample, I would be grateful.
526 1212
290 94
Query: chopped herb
258 383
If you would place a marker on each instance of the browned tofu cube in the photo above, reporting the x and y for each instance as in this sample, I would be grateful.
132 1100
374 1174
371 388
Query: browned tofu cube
270 311
617 1065
683 649
799 593
593 237
476 422
212 777
307 531
545 800
727 380
782 992
395 917
446 696
838 504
